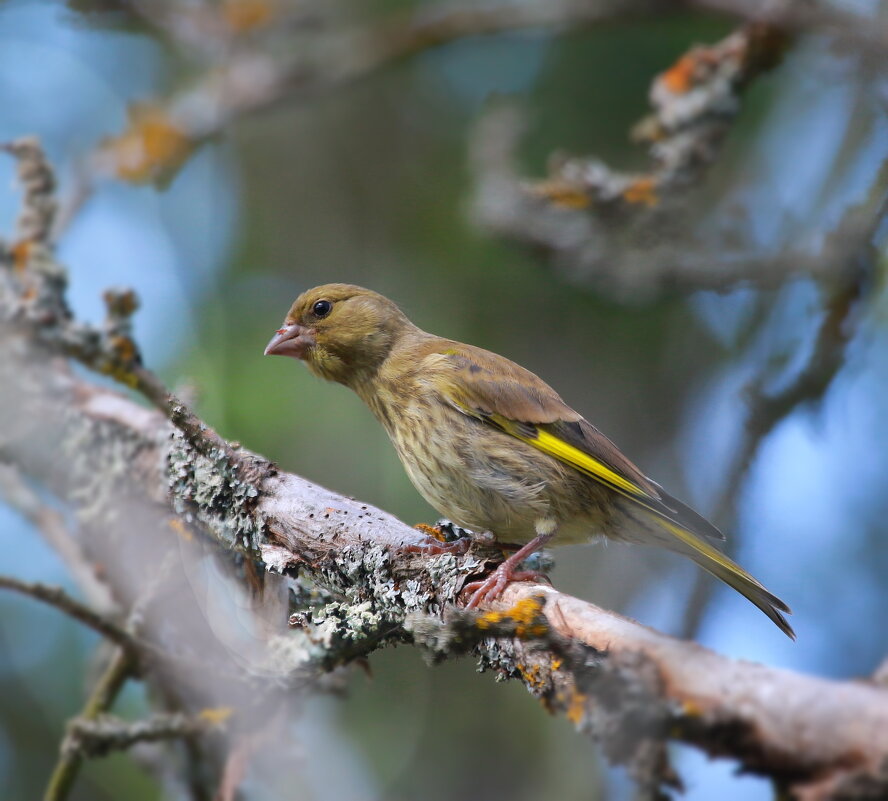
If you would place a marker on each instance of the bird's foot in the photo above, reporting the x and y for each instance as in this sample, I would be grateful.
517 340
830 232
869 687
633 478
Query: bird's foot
494 585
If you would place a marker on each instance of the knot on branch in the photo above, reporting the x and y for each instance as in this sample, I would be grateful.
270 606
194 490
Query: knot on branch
121 303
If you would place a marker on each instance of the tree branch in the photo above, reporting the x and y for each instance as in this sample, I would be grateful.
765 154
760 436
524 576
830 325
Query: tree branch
842 298
59 536
102 697
627 233
98 736
58 598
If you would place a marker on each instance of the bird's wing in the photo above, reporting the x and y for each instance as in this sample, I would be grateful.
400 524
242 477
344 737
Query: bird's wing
502 394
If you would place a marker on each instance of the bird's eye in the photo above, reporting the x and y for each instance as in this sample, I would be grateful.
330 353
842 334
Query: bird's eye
321 308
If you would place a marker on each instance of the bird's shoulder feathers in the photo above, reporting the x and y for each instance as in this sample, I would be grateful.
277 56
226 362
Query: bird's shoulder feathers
495 389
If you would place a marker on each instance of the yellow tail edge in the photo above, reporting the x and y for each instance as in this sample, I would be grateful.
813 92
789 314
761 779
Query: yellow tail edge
728 571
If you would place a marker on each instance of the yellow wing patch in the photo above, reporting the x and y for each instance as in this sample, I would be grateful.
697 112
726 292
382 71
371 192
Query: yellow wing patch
564 452
567 453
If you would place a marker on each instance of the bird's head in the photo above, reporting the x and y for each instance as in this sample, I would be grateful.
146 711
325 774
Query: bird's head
342 332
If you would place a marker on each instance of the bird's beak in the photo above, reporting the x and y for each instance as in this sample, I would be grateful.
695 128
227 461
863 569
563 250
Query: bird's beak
291 340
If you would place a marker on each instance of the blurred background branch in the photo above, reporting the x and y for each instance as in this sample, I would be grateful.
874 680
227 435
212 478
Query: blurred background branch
55 596
627 233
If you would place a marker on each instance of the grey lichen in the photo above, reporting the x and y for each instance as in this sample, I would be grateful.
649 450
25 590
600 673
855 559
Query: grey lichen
209 490
354 604
326 635
103 475
448 575
338 626
369 607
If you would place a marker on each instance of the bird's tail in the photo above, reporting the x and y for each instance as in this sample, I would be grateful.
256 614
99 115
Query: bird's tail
720 566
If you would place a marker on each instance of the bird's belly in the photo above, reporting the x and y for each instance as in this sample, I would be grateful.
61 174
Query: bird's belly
485 480
481 501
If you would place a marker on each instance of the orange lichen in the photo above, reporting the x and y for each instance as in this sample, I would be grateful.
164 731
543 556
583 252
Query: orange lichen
124 348
679 78
21 254
151 147
561 193
692 709
217 716
425 528
180 528
122 303
643 191
241 16
119 373
576 708
526 615
533 676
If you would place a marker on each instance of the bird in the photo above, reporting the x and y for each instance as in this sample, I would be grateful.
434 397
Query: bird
493 447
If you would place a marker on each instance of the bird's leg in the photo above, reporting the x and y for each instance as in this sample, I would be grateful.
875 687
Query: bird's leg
492 587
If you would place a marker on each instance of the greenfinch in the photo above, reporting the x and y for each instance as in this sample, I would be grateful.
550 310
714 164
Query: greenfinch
490 445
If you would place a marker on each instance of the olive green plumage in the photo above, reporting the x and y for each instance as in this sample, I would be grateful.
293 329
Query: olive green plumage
489 444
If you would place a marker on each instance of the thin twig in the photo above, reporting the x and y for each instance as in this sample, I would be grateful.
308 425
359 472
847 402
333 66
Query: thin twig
58 598
58 535
102 697
123 665
95 737
38 182
111 351
694 104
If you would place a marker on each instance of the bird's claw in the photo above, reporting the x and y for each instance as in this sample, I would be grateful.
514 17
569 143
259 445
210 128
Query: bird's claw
494 585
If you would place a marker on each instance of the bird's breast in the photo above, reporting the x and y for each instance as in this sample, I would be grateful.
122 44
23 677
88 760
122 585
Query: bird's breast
472 473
